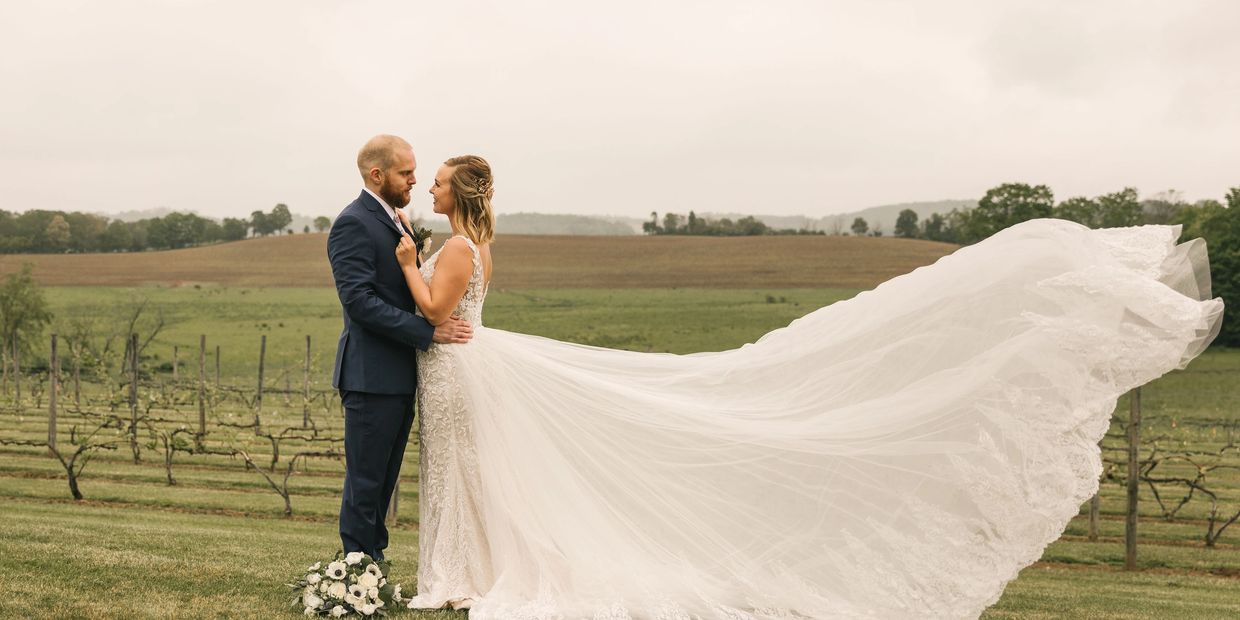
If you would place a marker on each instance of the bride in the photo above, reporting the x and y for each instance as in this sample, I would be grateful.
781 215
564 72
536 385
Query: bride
900 454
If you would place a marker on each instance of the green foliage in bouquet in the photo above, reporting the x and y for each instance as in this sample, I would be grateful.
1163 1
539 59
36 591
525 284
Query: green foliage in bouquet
352 584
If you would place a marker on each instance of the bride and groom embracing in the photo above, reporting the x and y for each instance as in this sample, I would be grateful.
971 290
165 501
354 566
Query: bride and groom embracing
900 454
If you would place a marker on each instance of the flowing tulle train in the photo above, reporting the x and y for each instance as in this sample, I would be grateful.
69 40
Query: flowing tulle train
900 454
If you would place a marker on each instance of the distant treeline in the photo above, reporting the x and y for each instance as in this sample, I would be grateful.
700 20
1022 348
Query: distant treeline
1012 203
41 231
677 224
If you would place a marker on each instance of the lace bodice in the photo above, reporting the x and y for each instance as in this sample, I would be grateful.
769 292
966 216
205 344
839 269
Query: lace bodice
470 306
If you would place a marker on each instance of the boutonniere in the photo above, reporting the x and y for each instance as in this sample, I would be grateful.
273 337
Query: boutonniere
422 237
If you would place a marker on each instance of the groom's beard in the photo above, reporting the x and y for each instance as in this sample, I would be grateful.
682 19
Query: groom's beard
396 198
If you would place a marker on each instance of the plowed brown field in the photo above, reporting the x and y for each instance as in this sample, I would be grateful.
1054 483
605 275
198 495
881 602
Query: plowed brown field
523 262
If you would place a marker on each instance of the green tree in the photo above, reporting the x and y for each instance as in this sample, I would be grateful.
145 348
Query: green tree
57 233
280 217
23 311
87 229
860 227
260 225
934 227
117 237
1193 217
652 227
1221 230
138 235
906 224
1005 205
1119 209
1162 207
234 229
209 231
1079 209
671 221
322 223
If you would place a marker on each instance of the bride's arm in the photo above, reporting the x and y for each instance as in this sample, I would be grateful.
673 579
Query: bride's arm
452 273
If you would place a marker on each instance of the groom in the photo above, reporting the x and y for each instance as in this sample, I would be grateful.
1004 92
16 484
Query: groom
376 367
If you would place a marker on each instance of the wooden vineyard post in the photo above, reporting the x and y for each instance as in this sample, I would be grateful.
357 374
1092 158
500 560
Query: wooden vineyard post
133 397
176 354
202 392
1094 505
217 366
258 399
17 370
305 388
53 377
77 375
1134 478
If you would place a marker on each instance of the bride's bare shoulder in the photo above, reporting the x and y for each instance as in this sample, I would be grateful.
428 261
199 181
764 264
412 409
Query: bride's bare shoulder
456 247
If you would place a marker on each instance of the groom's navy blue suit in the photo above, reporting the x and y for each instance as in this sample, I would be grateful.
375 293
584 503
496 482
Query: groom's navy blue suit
376 367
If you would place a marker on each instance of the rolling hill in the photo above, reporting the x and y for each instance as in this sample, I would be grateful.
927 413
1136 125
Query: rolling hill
523 261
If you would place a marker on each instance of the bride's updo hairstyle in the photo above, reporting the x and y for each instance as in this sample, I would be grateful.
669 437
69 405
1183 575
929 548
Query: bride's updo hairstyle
472 189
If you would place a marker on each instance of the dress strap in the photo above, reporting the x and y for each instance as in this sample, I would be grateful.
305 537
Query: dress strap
473 247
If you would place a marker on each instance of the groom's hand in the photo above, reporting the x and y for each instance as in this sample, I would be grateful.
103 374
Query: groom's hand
453 331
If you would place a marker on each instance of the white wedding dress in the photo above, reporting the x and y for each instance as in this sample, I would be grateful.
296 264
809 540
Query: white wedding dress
902 454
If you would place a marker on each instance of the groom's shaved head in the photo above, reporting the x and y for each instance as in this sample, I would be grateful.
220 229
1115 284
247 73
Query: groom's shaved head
380 152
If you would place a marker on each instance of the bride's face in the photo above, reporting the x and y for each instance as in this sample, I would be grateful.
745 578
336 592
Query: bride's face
442 200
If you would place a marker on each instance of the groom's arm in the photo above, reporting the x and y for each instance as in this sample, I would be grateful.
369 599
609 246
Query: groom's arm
352 259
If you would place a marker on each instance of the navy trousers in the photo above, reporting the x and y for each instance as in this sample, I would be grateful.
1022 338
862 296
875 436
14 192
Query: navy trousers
376 429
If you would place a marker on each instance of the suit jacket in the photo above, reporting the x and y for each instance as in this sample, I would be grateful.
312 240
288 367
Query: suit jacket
376 349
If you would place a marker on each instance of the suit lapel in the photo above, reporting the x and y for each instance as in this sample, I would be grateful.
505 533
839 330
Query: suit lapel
379 212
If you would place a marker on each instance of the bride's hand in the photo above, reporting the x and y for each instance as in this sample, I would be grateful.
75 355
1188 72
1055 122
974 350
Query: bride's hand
404 219
406 252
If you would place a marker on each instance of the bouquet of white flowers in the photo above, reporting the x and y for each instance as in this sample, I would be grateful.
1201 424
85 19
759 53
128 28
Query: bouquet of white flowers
355 584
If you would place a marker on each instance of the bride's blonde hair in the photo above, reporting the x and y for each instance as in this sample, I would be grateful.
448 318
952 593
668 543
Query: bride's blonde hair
472 189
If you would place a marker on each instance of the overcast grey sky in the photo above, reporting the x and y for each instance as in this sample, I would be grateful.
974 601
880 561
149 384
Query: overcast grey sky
773 107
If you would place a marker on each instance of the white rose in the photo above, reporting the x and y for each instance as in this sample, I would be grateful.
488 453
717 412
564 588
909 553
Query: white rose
338 611
323 587
373 593
337 590
354 557
336 570
368 609
367 581
311 600
313 578
309 611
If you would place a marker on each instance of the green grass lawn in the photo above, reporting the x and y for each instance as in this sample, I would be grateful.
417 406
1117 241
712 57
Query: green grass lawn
677 321
216 544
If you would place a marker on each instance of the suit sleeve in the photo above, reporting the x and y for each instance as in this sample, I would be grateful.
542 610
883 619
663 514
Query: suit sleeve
353 265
